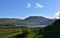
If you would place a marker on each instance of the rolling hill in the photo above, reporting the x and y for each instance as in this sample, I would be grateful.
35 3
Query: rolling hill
10 21
29 20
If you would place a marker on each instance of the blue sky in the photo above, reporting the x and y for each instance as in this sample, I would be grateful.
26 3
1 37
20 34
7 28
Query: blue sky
25 8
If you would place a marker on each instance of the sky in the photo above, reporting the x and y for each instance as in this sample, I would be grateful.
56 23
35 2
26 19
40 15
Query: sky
26 8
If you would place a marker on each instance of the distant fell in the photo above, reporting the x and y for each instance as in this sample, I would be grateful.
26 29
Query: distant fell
10 21
38 20
34 20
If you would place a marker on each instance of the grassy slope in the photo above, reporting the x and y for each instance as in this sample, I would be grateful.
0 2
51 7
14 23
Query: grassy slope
11 31
6 31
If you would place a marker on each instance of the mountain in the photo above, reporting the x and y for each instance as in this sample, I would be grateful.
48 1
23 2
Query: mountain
38 20
29 20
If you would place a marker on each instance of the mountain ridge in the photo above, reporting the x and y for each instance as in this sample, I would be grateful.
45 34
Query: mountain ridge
29 20
38 20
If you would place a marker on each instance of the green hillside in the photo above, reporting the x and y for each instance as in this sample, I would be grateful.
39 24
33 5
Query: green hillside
53 30
11 31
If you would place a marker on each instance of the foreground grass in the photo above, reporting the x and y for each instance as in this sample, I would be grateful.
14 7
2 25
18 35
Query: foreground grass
9 31
12 31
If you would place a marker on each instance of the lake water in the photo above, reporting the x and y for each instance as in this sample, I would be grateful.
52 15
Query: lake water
33 26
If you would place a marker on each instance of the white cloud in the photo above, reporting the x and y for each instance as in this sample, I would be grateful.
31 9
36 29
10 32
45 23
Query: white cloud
57 15
28 5
38 5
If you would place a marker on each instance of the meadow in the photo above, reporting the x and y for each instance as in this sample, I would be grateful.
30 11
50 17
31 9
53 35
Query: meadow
23 32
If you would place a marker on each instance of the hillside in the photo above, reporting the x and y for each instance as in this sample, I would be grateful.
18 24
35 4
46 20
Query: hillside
53 30
29 20
10 21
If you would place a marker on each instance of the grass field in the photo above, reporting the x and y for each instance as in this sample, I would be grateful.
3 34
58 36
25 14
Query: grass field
9 31
12 31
